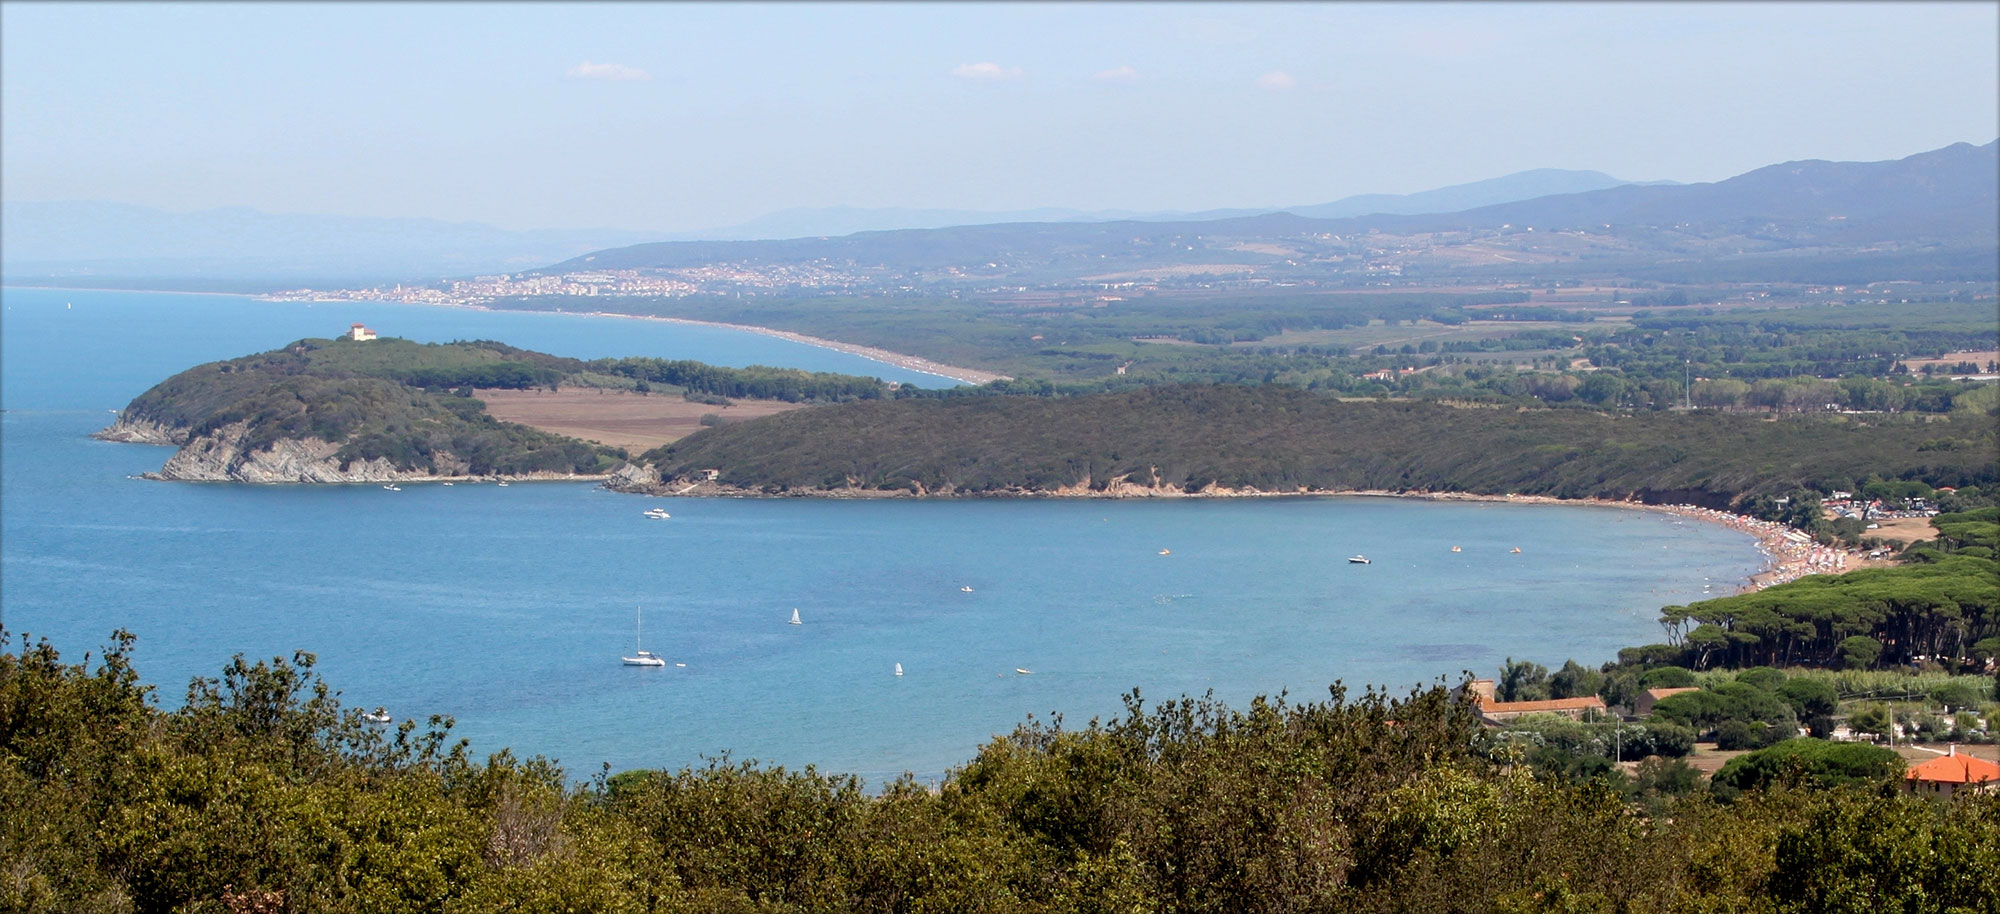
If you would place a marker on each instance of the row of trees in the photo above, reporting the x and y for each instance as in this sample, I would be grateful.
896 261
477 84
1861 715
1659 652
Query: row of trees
760 382
261 793
1942 607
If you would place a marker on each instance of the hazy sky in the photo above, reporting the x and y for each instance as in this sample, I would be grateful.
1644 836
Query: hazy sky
692 115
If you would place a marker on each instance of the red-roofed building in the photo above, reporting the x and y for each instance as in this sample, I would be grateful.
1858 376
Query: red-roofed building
1643 705
1480 693
359 332
1946 775
1497 712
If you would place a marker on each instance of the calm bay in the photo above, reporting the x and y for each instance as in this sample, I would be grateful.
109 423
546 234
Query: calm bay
508 608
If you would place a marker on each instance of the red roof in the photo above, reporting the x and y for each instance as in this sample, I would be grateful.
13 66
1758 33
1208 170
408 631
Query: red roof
1955 769
1554 704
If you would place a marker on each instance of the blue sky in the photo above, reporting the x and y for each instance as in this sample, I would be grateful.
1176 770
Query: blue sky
692 115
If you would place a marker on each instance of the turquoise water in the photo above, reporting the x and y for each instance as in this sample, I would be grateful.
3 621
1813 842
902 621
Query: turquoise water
508 607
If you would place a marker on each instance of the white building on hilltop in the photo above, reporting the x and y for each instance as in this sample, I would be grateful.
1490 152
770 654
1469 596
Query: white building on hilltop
359 332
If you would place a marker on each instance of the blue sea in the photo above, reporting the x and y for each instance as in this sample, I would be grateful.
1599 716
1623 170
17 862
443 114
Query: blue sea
508 608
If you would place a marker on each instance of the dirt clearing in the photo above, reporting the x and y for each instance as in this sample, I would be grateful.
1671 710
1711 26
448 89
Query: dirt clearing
636 422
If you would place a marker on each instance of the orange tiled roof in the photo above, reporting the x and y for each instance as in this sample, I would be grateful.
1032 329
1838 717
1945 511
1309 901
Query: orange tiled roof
1662 693
1955 769
1553 704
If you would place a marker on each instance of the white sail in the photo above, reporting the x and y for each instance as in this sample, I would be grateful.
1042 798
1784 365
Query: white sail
899 669
795 616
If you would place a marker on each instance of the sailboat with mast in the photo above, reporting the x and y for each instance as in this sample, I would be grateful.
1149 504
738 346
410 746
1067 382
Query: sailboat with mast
641 656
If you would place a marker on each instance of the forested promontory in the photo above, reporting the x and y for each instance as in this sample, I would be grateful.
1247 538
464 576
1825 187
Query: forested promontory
1224 439
378 410
341 410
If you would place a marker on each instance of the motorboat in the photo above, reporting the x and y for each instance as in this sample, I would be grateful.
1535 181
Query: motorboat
966 589
378 716
657 513
393 487
1357 560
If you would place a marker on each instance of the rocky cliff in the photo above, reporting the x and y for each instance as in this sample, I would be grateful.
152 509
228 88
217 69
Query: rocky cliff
221 456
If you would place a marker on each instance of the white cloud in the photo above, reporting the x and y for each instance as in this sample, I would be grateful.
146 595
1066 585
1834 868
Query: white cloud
611 71
987 70
1119 75
1276 81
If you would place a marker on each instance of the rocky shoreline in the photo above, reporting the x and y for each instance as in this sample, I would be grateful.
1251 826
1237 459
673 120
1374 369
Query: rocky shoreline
222 457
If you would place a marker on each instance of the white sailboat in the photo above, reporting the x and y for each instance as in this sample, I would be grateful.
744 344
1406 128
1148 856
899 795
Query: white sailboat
899 669
795 616
641 656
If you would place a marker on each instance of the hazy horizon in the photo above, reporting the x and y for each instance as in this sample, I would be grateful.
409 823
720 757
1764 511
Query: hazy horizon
687 117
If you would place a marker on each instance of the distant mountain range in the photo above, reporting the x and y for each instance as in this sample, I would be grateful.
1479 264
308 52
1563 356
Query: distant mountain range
95 241
846 220
1944 200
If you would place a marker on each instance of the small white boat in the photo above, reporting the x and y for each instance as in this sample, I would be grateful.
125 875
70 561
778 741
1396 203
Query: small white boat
795 616
1166 552
447 483
502 483
1456 549
393 487
378 716
640 656
966 589
1024 672
899 669
1357 560
657 513
1517 549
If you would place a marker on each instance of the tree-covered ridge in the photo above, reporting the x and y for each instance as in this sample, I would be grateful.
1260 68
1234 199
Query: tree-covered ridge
389 399
189 398
1273 439
262 793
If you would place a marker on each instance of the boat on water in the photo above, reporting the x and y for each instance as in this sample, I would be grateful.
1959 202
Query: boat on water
1166 552
1456 549
795 617
640 656
1024 672
899 669
378 716
1357 560
657 513
447 483
966 589
393 487
502 483
1517 549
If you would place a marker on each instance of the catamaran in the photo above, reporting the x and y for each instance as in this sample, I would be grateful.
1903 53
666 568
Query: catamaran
641 656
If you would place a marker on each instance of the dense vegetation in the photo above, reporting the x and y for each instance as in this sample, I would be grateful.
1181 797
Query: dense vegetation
378 400
262 794
1942 606
1276 439
392 399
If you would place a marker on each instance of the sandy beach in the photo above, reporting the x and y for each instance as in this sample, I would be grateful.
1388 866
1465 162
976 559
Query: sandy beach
1788 553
